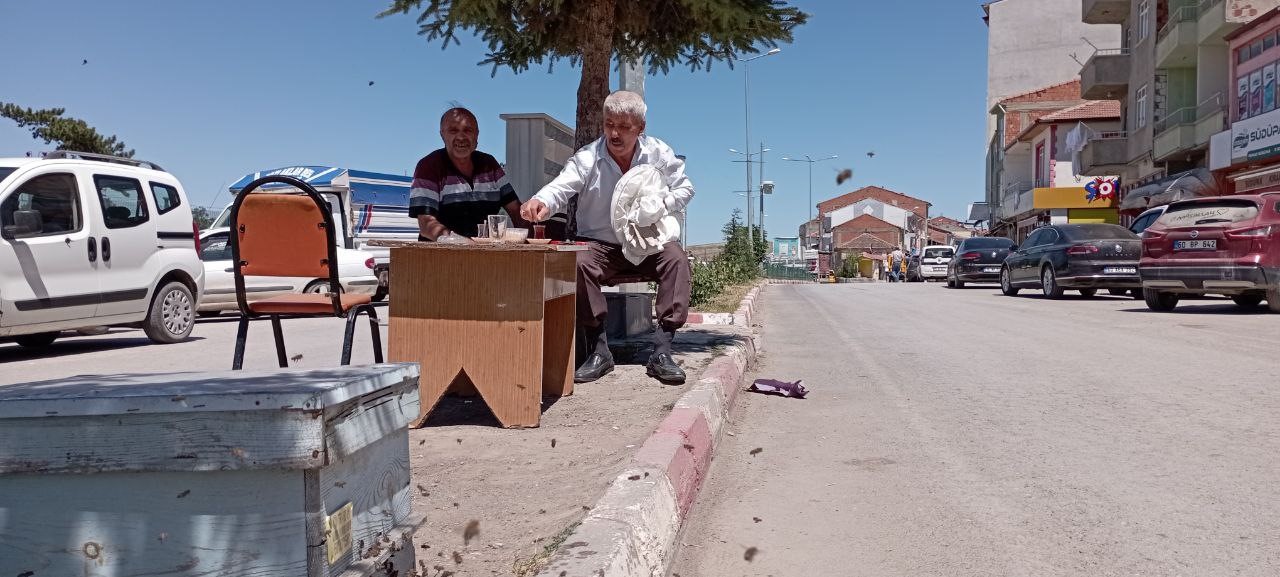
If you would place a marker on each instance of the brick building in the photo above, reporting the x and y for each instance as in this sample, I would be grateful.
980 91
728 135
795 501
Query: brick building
892 198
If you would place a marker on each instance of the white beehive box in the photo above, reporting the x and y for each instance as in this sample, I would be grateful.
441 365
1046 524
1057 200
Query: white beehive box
279 473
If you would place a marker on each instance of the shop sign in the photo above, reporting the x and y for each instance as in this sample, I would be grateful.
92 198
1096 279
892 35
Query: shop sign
1257 137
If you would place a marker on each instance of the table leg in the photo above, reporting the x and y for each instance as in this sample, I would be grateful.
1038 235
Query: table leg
558 328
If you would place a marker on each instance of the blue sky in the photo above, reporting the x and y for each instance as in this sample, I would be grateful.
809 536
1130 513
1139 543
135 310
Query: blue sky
214 90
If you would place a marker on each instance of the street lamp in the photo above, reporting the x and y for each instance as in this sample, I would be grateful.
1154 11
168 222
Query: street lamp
746 120
748 155
810 160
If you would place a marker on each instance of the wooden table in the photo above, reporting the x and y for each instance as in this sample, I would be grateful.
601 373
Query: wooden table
492 319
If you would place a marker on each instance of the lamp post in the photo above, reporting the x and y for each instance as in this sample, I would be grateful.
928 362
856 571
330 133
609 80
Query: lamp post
747 155
746 121
810 160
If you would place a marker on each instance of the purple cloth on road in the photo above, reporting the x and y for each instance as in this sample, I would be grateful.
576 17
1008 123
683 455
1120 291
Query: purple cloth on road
776 387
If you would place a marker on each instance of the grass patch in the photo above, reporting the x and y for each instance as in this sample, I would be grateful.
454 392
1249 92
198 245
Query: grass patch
727 301
531 566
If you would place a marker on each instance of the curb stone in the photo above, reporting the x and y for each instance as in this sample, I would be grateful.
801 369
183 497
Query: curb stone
631 531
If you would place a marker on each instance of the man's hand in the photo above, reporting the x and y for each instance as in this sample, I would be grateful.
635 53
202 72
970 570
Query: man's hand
535 211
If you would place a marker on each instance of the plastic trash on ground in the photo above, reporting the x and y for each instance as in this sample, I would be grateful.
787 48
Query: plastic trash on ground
776 387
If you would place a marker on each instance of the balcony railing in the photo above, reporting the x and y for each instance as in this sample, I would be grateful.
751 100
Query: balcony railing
1179 16
1211 118
1179 117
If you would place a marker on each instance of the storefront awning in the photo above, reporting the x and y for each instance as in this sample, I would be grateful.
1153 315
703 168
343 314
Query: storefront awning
1256 179
1189 184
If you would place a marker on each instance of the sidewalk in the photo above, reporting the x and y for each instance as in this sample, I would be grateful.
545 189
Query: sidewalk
527 489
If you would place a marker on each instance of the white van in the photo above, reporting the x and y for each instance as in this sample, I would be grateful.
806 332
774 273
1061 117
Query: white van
934 260
90 240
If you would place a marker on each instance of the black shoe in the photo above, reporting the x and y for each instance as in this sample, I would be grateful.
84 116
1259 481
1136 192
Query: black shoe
597 366
664 368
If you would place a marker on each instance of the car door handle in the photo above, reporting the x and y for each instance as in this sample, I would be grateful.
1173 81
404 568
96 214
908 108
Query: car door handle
228 270
93 249
106 249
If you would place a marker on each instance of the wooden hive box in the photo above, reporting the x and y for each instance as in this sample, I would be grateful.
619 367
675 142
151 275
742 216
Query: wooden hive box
280 473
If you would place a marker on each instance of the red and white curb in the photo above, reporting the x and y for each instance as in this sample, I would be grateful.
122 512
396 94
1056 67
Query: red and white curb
740 317
632 530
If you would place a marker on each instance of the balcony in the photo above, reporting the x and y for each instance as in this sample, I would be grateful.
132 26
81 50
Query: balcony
1105 11
1105 154
1106 75
1176 43
1212 25
1211 118
1016 199
1175 133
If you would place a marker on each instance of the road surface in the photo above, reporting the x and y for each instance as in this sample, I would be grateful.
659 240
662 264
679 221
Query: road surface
964 433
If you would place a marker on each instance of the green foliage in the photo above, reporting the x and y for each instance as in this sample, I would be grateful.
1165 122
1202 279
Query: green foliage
849 268
659 33
69 133
202 216
736 264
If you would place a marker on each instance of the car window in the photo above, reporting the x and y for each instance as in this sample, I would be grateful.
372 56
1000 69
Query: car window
1217 213
215 247
987 242
1098 232
6 171
1035 239
1142 223
123 205
46 205
166 197
942 252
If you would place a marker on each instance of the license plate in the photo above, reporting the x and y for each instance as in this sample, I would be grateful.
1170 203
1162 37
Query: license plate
1195 245
1120 270
991 269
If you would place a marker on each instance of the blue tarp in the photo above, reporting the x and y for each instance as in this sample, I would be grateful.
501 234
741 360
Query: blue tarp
375 188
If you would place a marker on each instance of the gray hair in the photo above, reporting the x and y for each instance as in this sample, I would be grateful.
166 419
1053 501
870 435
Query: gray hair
625 103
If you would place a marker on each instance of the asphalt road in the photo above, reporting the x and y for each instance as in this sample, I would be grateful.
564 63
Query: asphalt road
318 341
961 432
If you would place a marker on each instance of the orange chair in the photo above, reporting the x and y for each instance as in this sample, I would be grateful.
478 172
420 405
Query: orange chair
291 234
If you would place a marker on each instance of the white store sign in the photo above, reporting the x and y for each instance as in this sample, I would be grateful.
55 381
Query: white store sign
1256 137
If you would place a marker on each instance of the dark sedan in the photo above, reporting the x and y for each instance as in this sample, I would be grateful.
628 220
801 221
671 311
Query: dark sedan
978 259
1083 257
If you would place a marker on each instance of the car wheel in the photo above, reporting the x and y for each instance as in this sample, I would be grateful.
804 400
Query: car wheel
37 340
1049 283
1006 285
319 287
950 283
1160 301
1273 300
172 314
1247 301
957 283
208 314
1118 292
1088 293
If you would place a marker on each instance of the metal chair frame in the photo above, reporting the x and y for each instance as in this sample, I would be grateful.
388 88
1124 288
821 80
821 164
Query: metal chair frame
335 287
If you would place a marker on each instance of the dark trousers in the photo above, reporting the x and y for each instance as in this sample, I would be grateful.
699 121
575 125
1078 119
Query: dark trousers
604 262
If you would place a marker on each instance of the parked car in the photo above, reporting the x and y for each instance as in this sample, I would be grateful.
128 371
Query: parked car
931 263
1146 219
355 274
89 241
1083 257
1226 245
978 259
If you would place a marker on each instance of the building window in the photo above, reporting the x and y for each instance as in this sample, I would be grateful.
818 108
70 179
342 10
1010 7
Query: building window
1255 49
1242 55
1144 20
1269 42
1141 101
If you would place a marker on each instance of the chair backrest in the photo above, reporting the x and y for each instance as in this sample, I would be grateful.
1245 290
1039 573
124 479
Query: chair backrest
283 234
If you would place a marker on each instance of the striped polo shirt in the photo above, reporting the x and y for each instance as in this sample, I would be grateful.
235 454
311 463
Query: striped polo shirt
457 202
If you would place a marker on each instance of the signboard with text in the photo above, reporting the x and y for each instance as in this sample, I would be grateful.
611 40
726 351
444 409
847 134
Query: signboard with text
1256 137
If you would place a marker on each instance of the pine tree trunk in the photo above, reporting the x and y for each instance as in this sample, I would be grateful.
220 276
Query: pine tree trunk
597 56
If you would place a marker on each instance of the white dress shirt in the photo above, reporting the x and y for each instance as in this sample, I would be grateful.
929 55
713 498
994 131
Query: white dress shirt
592 175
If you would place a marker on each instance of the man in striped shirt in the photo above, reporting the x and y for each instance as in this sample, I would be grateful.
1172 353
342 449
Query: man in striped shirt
457 187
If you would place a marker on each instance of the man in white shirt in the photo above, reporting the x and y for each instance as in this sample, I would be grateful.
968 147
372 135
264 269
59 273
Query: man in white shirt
591 175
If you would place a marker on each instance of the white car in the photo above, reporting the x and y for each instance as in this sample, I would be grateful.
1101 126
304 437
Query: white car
88 241
934 261
355 274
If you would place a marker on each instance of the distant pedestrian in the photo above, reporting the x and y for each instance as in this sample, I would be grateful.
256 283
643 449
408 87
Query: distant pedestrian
895 264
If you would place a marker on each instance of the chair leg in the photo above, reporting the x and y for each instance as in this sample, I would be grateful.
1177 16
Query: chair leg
377 334
281 355
242 334
347 336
